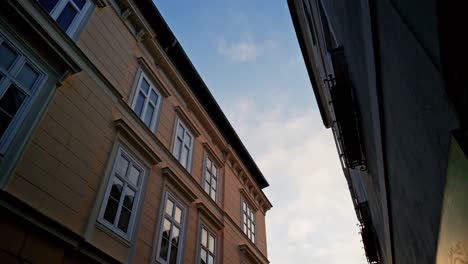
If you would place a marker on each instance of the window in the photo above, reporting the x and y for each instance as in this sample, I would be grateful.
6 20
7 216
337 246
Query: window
207 247
210 178
248 221
172 228
183 145
122 194
19 81
67 13
146 102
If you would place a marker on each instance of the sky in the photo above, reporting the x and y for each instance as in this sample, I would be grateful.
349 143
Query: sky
247 53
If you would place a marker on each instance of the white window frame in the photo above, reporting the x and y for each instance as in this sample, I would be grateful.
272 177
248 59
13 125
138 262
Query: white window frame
178 155
75 24
245 209
181 226
127 184
206 248
208 172
9 77
153 122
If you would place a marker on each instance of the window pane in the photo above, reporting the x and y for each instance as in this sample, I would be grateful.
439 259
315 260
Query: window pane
124 219
166 229
211 244
144 85
253 237
66 17
174 245
48 4
207 188
111 210
134 176
140 101
173 259
177 145
184 157
165 240
213 183
169 207
188 139
27 76
203 256
175 236
11 101
214 171
178 214
116 189
154 97
204 238
243 206
210 259
213 194
180 131
149 114
208 164
128 198
122 166
7 56
4 122
80 3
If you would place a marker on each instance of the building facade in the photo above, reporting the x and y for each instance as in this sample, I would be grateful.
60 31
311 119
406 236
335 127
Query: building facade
112 148
390 81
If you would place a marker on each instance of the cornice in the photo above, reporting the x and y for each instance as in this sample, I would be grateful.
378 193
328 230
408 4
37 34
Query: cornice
123 128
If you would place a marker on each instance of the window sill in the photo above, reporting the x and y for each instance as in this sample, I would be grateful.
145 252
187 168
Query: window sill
113 235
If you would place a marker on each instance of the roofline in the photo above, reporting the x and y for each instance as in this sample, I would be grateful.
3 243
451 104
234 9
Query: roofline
305 56
179 58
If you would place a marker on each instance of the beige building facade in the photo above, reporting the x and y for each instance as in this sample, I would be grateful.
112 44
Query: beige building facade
112 148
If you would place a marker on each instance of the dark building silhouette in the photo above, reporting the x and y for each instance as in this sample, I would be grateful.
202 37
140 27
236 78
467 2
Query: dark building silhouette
390 80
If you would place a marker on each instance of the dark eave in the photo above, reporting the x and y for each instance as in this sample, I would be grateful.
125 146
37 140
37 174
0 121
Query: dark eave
306 56
179 58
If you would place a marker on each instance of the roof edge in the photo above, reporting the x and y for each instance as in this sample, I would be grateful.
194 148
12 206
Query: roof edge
181 61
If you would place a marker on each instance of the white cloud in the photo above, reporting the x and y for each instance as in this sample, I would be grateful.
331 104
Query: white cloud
313 219
246 49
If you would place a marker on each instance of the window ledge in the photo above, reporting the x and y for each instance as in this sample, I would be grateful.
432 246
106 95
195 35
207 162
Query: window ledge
112 234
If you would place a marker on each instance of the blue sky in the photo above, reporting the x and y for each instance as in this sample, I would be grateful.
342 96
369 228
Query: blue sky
247 53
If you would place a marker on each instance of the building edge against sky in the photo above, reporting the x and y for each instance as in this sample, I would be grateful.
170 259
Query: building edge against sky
390 81
112 148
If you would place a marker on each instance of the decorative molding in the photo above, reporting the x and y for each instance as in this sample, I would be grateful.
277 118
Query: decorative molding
123 128
100 3
218 223
246 196
247 252
179 185
148 69
181 113
212 154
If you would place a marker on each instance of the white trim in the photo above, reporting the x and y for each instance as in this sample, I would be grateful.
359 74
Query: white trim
126 184
10 78
157 106
181 226
178 153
